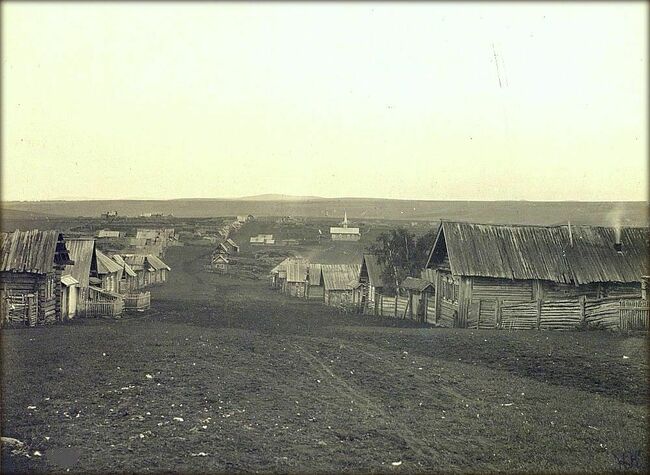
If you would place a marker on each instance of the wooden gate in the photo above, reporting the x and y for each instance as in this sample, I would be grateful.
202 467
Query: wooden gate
633 315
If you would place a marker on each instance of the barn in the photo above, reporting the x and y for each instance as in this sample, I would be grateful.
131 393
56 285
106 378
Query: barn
296 284
371 281
315 289
558 277
30 276
339 283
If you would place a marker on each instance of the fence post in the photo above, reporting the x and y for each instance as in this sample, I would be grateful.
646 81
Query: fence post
497 313
583 310
620 315
539 313
478 315
381 306
395 316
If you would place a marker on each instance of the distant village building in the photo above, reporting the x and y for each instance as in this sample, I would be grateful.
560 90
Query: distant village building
345 233
107 233
220 263
109 214
31 266
263 240
231 246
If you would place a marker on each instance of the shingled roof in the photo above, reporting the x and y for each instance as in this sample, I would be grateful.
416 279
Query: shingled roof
542 253
82 252
370 267
32 251
340 276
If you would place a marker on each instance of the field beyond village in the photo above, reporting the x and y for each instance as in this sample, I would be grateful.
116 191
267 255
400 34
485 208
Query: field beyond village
225 375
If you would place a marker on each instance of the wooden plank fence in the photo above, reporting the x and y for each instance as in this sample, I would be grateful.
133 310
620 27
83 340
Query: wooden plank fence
567 314
101 308
634 315
137 302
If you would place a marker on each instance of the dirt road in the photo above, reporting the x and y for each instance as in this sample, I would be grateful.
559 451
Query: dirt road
225 374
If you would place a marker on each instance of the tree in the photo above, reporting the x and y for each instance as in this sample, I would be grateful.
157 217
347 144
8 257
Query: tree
401 254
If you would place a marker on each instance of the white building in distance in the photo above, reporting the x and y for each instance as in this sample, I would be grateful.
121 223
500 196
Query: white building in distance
344 233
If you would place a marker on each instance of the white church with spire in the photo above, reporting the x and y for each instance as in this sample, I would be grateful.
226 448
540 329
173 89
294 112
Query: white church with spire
344 232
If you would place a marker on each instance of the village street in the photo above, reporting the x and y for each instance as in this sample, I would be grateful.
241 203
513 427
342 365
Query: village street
224 374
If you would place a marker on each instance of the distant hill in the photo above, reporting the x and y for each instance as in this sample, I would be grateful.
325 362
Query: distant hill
275 197
358 209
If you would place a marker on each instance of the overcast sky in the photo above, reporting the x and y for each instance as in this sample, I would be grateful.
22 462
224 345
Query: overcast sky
424 100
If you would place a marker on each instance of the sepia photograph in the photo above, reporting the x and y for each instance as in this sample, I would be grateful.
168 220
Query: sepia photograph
324 237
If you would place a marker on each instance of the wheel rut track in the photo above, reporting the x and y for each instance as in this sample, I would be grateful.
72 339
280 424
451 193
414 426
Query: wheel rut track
400 429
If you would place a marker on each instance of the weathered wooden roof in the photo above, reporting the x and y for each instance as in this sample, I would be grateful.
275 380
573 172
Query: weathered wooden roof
232 243
417 284
106 265
122 263
282 266
32 251
544 253
157 263
314 271
82 252
219 257
340 276
297 270
370 267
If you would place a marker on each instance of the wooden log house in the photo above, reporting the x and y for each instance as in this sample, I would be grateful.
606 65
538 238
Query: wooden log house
31 267
532 276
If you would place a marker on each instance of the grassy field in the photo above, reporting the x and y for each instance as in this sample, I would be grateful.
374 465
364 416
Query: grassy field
225 375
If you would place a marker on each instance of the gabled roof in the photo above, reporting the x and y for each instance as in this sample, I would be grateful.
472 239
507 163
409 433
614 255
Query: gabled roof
82 252
282 266
340 276
136 261
370 267
232 243
415 283
157 263
127 268
220 257
32 251
542 253
106 265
